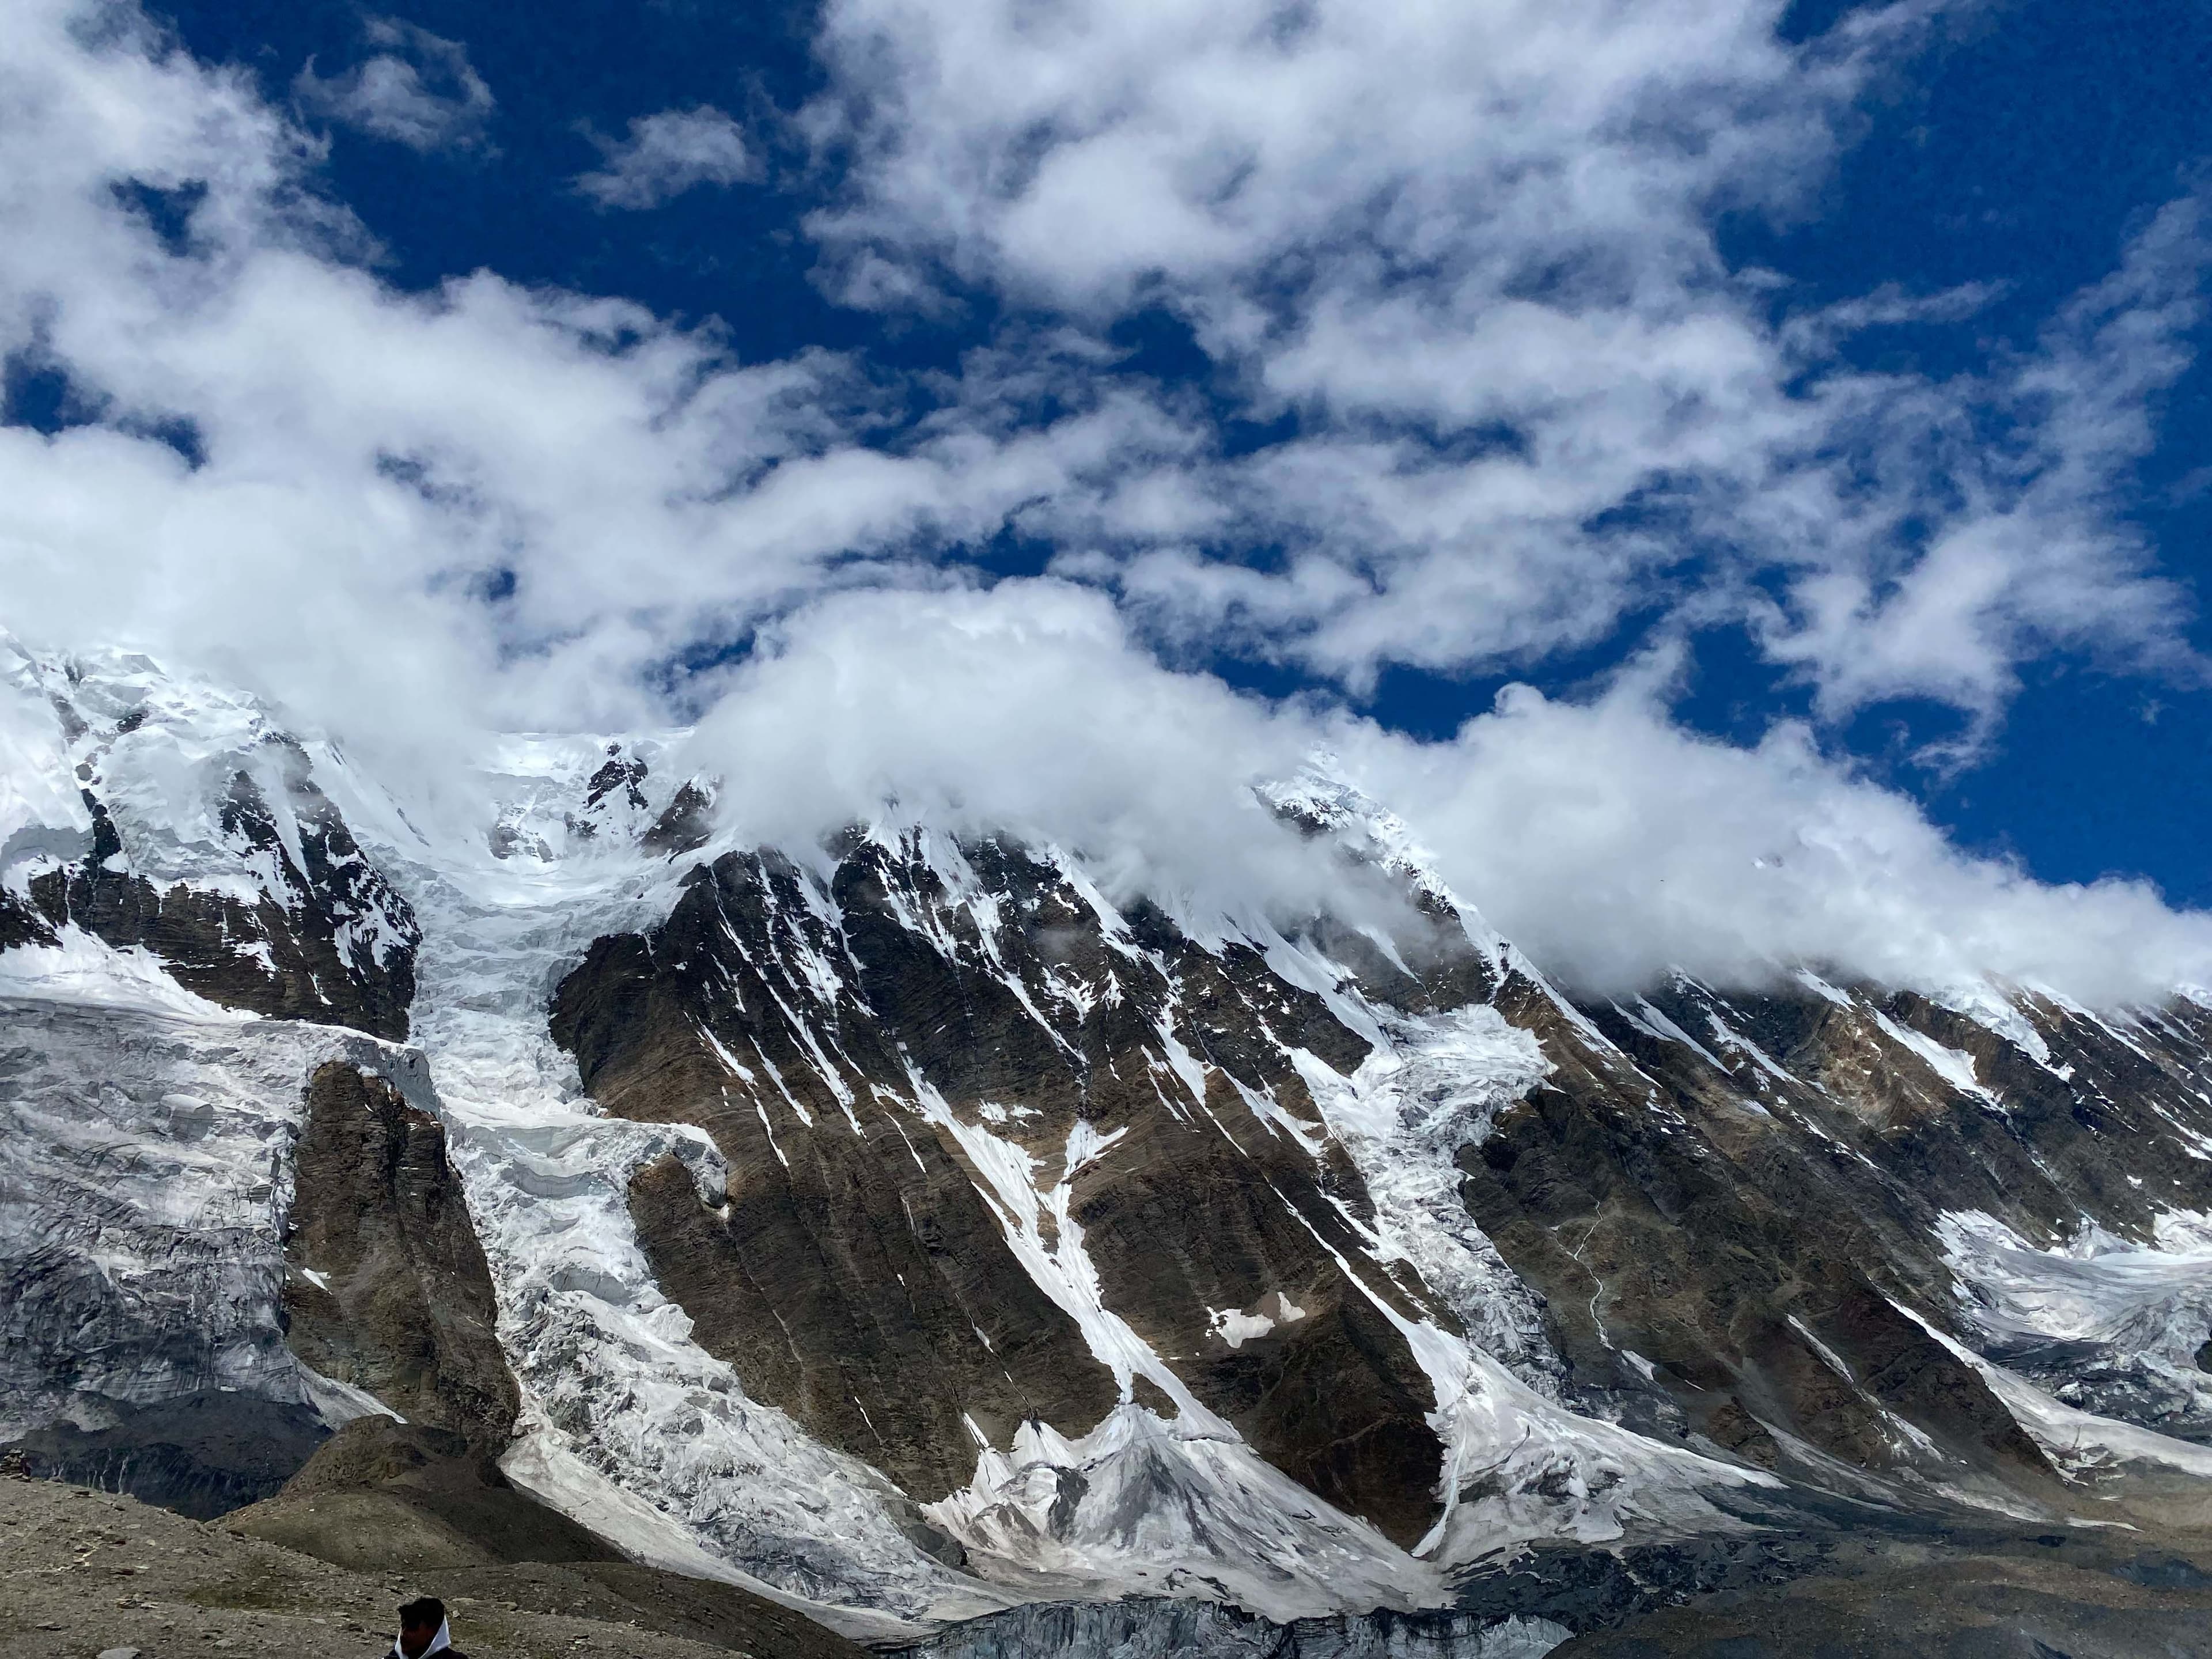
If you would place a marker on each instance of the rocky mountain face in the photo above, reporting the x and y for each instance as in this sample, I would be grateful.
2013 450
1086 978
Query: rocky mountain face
907 1231
388 1293
202 838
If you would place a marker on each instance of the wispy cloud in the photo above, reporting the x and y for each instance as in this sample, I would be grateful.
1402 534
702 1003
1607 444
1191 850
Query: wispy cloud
666 154
1473 252
419 90
1465 254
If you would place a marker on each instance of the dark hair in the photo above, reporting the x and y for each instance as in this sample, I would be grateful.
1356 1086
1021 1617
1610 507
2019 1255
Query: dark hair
426 1613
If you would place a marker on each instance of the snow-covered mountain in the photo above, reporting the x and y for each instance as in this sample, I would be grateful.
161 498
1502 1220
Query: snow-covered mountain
909 1231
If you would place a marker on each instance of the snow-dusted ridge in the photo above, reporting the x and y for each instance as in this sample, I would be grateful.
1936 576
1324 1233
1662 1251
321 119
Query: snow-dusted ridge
587 1329
630 1424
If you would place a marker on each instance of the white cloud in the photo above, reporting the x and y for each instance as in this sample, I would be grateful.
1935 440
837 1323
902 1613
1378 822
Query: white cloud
494 506
2027 546
667 153
1025 708
1075 150
1613 846
1472 248
420 91
1609 843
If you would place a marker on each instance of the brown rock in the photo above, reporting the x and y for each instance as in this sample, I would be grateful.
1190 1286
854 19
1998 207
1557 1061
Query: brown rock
405 1310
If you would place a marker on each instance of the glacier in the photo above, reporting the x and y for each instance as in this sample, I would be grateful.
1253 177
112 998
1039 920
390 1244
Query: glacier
145 1130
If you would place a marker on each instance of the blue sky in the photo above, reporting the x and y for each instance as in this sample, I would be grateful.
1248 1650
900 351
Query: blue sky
1786 364
2020 151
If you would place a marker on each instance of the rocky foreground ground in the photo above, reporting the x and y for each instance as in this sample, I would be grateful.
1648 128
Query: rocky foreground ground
83 1573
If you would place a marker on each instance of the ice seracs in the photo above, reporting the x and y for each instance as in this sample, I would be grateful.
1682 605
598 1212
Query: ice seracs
2105 1323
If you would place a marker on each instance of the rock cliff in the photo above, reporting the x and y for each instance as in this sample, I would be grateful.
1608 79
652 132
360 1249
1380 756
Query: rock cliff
907 1230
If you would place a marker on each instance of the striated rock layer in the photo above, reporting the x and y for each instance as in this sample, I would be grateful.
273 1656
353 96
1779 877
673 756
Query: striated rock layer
908 1231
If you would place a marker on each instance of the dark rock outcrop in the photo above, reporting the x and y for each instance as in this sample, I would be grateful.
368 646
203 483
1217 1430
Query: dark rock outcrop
684 824
1756 1229
326 938
22 924
854 1045
1760 1232
390 1292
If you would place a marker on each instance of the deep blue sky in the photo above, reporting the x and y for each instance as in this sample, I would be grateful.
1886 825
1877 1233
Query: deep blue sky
2023 152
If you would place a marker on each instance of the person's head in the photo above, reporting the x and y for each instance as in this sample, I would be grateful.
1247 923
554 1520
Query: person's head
420 1622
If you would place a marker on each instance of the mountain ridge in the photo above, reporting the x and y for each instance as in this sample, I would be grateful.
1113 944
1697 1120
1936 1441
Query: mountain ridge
908 1230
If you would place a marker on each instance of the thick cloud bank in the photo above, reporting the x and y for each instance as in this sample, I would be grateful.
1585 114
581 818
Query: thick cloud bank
1613 845
1609 843
1465 258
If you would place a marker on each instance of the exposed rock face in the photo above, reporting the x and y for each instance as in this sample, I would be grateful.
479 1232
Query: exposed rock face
22 924
911 1089
684 824
204 838
390 1293
329 941
1743 1286
1753 1237
160 1253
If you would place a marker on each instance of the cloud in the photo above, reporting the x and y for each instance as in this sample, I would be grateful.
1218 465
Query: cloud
2026 544
536 500
1026 709
667 153
1471 253
1614 846
1609 843
1080 151
420 91
1523 395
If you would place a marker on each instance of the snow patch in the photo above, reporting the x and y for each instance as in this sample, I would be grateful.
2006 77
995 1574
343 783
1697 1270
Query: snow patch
1142 1505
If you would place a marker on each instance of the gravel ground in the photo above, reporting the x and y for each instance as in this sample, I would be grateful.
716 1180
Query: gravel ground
83 1573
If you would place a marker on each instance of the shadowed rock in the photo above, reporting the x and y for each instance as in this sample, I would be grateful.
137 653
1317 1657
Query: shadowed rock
390 1293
